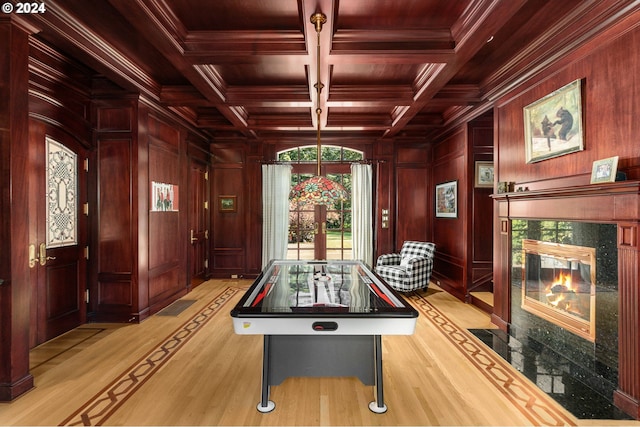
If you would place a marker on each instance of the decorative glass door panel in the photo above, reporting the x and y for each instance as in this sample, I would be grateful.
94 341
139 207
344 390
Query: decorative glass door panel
62 188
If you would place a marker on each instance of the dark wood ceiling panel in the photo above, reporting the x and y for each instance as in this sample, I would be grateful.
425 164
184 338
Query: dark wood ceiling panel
260 74
394 14
374 74
238 15
247 68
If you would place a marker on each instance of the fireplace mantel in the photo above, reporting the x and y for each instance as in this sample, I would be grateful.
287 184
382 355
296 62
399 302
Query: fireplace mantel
609 202
616 203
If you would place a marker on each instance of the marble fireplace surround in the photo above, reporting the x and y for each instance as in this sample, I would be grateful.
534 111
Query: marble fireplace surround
613 203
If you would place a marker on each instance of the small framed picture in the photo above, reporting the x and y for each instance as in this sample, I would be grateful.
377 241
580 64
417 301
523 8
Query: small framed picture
604 170
164 197
447 200
484 174
227 203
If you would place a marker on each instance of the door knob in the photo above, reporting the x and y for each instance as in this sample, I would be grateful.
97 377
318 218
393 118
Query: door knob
193 239
43 254
32 256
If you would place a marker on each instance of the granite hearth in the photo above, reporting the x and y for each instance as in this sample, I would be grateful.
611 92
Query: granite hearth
585 394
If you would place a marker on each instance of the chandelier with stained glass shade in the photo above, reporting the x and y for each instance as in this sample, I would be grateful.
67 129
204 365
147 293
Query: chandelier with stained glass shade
318 190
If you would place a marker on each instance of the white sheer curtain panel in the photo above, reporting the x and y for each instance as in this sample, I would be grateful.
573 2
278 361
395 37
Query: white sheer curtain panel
276 183
361 213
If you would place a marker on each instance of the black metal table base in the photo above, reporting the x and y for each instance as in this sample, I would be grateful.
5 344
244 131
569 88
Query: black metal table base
322 356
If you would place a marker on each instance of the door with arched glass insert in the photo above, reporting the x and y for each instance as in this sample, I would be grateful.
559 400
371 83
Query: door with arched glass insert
318 231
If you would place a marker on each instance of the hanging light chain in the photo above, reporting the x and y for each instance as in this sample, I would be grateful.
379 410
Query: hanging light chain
318 19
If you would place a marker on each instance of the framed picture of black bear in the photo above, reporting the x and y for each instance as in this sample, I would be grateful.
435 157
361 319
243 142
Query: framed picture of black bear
553 124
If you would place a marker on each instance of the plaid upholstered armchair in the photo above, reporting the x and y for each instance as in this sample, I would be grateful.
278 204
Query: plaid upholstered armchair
410 269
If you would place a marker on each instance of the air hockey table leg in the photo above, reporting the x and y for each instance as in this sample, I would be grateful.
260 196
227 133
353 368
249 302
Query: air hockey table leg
265 404
378 406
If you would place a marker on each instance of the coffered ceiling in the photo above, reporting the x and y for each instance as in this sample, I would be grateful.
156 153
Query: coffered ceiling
390 68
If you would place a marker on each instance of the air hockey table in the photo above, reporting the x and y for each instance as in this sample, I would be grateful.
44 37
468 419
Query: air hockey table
322 319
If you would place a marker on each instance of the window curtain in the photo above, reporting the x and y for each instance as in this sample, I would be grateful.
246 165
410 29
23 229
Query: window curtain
276 184
361 213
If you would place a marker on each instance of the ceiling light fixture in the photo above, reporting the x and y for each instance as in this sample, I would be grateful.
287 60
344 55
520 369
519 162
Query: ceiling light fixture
318 190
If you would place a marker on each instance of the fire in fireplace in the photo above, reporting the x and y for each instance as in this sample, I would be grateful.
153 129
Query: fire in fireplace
559 285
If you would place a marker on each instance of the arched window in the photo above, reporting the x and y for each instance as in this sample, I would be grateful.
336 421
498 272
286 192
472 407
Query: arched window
320 232
330 153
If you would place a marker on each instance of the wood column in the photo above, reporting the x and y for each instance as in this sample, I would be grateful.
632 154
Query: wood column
15 378
501 315
627 396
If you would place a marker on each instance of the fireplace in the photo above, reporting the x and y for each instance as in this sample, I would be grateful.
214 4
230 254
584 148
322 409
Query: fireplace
604 217
559 285
564 299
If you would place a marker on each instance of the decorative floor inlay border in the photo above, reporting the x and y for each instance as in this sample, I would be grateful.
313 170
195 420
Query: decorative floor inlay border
529 399
100 407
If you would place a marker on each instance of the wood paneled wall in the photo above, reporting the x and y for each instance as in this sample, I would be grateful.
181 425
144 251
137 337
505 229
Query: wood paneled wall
117 247
167 236
412 180
142 254
480 248
451 234
384 241
464 250
236 243
15 378
609 68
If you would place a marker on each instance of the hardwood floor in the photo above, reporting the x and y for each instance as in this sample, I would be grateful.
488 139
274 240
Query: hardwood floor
191 369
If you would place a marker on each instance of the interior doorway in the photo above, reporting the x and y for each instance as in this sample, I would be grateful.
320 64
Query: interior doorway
198 204
58 247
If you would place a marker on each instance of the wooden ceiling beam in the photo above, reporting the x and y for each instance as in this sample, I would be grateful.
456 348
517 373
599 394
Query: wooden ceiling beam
348 41
187 96
359 121
279 122
291 96
479 22
239 43
157 18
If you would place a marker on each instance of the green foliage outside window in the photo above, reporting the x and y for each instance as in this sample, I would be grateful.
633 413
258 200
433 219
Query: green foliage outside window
546 231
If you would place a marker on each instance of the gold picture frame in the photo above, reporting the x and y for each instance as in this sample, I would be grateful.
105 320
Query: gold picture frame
484 174
227 204
604 170
553 124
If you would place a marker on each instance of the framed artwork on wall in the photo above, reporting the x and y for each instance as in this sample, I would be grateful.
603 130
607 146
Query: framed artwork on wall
604 170
484 174
553 124
164 197
447 200
227 204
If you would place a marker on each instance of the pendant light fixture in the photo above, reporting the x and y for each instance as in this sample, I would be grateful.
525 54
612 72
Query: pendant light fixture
318 190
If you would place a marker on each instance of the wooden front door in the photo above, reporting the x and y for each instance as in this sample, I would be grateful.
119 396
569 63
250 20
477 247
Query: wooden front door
58 249
198 226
